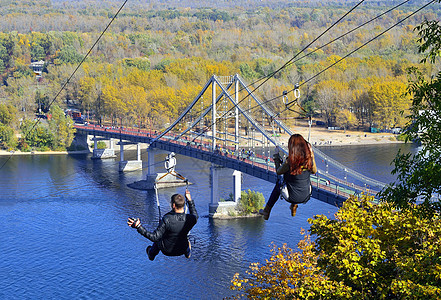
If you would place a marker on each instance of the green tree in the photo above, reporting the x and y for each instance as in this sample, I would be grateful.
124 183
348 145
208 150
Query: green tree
69 54
250 202
369 251
37 52
61 128
7 114
35 135
7 137
419 174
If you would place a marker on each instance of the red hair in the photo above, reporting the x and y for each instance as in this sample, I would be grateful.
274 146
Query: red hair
299 157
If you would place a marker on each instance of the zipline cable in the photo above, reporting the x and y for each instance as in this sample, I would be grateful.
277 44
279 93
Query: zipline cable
286 64
81 62
347 55
71 76
358 48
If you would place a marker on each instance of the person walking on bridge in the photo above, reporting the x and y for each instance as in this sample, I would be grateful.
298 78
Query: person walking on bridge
296 171
170 237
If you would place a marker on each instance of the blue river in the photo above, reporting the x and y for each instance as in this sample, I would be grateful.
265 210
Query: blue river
63 232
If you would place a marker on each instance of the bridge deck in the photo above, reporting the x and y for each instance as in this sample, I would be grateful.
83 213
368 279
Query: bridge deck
334 191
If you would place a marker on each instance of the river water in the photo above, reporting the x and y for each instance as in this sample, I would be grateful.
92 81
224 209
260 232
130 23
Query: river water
63 232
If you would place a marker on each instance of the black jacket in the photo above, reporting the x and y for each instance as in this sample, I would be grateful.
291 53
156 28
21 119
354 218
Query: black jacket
171 234
299 186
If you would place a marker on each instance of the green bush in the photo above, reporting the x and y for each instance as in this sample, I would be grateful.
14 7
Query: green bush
44 148
24 147
402 137
99 145
250 202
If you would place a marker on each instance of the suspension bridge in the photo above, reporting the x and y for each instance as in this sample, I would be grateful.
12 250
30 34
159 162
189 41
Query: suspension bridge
235 129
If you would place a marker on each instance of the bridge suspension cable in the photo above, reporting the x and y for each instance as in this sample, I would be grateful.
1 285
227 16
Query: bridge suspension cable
293 59
261 104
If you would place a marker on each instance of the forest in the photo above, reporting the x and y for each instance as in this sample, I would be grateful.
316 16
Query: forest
155 57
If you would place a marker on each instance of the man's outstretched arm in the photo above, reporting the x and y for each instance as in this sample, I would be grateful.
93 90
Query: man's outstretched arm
154 236
190 203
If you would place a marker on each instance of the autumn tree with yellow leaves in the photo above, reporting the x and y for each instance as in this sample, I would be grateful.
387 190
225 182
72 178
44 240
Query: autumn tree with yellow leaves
390 104
369 251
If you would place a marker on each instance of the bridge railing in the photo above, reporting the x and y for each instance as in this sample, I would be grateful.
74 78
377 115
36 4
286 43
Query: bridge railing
322 180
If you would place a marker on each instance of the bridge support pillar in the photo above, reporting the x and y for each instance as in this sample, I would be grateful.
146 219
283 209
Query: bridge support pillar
151 174
121 151
130 165
102 153
225 208
237 185
214 184
151 162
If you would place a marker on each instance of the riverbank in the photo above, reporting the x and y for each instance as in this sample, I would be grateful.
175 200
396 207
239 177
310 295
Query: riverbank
18 152
320 136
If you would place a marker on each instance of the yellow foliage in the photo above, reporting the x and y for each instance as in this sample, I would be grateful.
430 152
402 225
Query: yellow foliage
368 251
389 102
288 275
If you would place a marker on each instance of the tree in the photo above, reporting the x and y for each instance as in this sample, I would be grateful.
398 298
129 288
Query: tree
61 128
345 118
7 137
289 275
35 135
87 93
69 54
331 95
389 102
419 174
7 113
368 251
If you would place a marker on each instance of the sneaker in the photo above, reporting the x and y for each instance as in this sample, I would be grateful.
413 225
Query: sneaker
293 208
148 253
188 251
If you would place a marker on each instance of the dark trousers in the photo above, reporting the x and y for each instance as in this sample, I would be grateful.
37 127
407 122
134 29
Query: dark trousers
275 194
154 250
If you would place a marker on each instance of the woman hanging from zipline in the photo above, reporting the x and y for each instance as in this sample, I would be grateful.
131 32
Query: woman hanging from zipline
296 171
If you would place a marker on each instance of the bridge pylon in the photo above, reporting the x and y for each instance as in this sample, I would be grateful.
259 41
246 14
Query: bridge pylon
236 130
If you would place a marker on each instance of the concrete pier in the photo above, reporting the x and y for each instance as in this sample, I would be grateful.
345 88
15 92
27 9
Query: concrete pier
102 153
130 165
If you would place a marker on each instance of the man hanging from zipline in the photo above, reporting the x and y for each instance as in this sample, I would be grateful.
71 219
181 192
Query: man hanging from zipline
170 237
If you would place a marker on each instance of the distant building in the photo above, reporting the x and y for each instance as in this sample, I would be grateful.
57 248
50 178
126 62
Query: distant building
37 67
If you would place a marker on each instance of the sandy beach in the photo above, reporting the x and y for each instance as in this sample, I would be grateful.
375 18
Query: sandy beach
321 136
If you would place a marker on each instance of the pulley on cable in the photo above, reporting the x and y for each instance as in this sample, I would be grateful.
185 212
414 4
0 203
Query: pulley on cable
171 178
289 106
